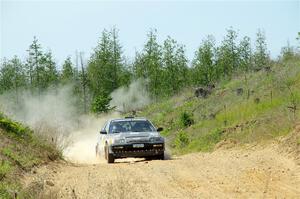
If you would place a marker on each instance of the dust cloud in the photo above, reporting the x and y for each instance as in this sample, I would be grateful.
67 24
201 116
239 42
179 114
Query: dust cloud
130 98
53 115
84 139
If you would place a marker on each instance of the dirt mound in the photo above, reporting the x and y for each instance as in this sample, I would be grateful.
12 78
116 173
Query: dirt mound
290 145
226 144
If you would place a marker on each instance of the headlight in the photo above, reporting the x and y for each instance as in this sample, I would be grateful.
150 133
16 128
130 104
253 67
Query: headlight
156 139
119 141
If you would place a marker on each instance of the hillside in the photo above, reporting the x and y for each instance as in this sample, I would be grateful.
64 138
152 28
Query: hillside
249 126
252 107
21 151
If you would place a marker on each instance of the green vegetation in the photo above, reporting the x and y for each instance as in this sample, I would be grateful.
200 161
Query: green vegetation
163 67
248 96
206 142
181 140
14 127
20 151
101 104
253 106
186 119
5 168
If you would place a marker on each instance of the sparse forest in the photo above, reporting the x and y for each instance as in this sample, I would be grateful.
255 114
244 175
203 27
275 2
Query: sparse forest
149 99
164 67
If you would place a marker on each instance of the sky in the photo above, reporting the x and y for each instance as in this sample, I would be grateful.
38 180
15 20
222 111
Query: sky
66 26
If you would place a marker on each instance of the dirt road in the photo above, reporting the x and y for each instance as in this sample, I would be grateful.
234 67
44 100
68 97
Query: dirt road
234 173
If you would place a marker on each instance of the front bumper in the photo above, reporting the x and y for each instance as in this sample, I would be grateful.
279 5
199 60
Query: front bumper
128 150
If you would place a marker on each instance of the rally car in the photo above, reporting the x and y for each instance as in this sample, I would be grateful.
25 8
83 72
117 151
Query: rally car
130 137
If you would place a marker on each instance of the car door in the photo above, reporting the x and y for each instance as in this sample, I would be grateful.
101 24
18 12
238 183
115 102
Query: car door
103 137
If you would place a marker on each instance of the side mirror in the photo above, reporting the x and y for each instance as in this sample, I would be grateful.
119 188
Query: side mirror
159 129
103 132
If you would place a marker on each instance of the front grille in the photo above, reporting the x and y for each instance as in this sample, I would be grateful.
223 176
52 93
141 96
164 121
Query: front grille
130 148
137 140
138 151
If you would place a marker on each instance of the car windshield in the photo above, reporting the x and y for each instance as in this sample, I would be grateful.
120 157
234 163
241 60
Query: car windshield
131 126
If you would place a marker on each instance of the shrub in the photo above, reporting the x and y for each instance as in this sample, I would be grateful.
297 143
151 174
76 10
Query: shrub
14 127
182 140
186 119
101 104
213 137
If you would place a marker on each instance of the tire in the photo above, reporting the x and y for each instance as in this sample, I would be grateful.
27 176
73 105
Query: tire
156 157
109 157
149 158
160 157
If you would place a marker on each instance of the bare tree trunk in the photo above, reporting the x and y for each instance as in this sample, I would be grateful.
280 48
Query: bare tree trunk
37 72
84 83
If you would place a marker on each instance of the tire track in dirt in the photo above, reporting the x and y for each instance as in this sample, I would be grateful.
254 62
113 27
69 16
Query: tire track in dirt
235 173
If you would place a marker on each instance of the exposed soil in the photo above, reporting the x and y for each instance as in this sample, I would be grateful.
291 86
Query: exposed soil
248 172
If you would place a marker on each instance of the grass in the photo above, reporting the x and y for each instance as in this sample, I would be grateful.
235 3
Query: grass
15 128
24 161
20 151
261 112
206 142
8 190
5 168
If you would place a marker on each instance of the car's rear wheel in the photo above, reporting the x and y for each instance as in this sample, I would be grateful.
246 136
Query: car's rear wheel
109 157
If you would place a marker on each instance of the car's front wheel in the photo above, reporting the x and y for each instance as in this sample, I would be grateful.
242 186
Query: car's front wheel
156 157
160 157
109 157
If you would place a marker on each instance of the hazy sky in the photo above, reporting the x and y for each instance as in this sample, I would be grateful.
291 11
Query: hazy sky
66 26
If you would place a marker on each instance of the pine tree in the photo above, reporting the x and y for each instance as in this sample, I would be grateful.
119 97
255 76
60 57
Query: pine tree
245 54
170 66
67 75
261 55
106 67
287 52
116 59
175 66
50 75
13 77
203 63
182 66
33 65
227 54
139 69
7 74
99 66
151 67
